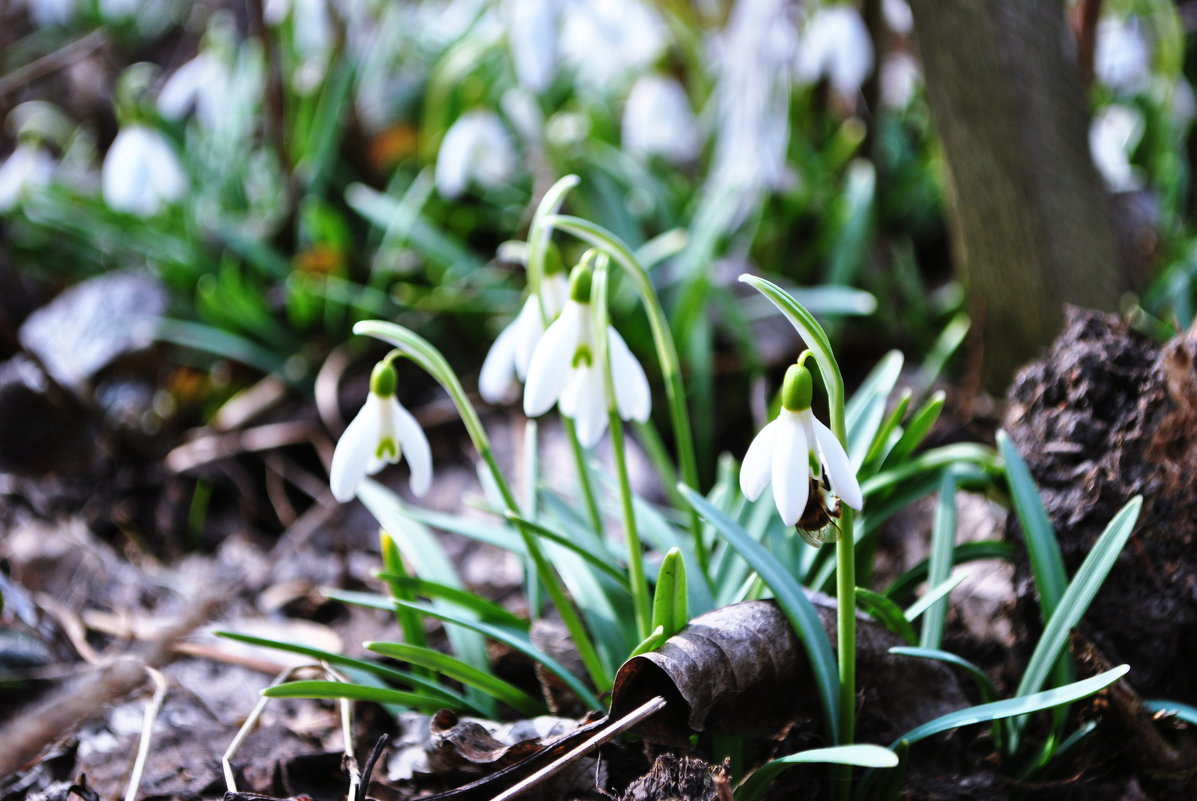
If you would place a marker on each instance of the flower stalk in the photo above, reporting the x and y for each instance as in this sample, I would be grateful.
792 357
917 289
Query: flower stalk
424 354
638 583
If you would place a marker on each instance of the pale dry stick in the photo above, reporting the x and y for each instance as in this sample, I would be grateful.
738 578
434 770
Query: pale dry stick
613 729
246 727
52 62
23 738
147 732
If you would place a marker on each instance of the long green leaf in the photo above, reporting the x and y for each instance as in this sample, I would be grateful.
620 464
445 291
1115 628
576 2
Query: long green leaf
984 683
520 642
486 610
467 674
1047 566
355 692
419 683
943 542
1022 705
917 428
792 600
1077 597
669 597
1186 712
865 412
886 612
860 754
905 584
933 596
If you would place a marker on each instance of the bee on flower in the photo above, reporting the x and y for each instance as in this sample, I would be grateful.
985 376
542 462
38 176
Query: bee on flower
797 454
565 370
380 433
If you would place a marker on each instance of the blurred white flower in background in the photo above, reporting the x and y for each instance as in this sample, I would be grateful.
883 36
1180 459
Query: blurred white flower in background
532 40
202 83
658 120
119 9
51 12
835 45
900 76
1122 59
1112 137
898 16
142 172
476 148
312 36
27 168
609 41
753 64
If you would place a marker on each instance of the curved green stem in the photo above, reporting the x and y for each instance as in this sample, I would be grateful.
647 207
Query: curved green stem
845 549
428 357
671 371
638 584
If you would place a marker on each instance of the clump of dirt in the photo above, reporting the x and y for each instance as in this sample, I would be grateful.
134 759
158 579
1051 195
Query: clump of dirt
1106 415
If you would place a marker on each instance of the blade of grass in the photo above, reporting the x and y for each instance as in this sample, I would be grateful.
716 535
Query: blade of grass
943 542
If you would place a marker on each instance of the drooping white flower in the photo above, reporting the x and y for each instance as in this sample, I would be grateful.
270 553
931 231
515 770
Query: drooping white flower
658 120
28 167
565 370
532 39
1112 136
380 433
509 357
1122 55
781 452
475 148
608 41
141 172
835 44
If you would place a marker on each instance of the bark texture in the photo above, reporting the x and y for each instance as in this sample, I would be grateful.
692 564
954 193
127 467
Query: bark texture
1031 220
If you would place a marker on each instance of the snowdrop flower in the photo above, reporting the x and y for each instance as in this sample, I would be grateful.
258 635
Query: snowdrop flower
1122 60
141 172
565 371
1112 137
475 148
509 357
380 433
836 44
782 454
532 38
605 42
27 168
658 120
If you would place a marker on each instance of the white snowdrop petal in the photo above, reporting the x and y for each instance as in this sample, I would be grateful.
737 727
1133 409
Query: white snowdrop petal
757 467
633 397
839 467
529 328
584 401
552 360
415 449
353 453
452 160
554 289
791 468
495 381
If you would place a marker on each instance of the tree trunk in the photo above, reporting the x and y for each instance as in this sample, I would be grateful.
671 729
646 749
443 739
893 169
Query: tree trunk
1030 218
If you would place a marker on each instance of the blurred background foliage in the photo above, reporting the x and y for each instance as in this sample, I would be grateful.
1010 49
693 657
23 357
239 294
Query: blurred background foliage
288 167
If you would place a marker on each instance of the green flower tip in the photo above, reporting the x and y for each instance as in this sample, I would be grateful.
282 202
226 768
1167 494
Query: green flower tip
552 260
579 284
383 379
797 388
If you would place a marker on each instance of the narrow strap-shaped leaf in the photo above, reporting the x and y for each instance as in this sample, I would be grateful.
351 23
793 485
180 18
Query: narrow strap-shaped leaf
917 428
354 692
934 595
860 754
1076 599
906 583
886 612
669 597
520 642
984 683
419 683
792 600
943 542
1022 705
486 610
1043 551
1186 712
887 434
865 411
467 674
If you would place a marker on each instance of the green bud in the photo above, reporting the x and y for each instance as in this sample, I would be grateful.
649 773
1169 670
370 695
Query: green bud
797 388
552 260
383 379
579 284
